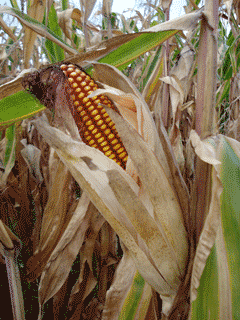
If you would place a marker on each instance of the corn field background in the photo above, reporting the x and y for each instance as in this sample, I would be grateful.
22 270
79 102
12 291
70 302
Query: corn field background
82 237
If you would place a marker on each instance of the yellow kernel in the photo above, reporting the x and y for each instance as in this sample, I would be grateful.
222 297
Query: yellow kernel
113 127
91 108
91 83
78 71
119 163
111 136
70 70
97 101
91 127
94 113
91 142
73 74
107 131
86 133
105 114
88 137
102 97
78 90
98 135
94 131
85 100
94 98
88 123
122 154
89 92
79 108
125 159
109 105
76 103
108 153
103 143
83 83
108 119
74 85
100 140
106 148
71 66
103 110
112 156
120 150
79 79
87 88
110 124
99 123
87 77
117 146
63 66
114 141
97 117
85 118
65 72
82 113
81 95
105 102
88 103
94 146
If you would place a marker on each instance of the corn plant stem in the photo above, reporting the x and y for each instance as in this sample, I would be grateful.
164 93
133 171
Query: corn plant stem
166 93
14 286
109 27
205 111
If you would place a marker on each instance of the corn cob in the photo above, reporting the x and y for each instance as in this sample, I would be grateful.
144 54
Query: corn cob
98 129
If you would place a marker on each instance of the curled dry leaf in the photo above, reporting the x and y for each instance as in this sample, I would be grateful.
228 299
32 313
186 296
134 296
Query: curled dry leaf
205 149
64 17
32 155
60 262
53 220
36 11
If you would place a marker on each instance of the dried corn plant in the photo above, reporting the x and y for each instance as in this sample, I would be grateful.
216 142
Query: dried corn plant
119 159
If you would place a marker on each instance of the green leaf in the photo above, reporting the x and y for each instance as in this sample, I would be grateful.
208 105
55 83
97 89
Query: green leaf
126 53
225 92
17 107
133 299
55 52
10 147
152 66
14 4
206 305
230 207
